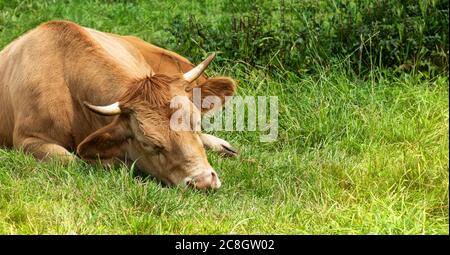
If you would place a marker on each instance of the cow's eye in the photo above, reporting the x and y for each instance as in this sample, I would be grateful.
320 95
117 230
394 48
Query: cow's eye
152 147
158 149
147 146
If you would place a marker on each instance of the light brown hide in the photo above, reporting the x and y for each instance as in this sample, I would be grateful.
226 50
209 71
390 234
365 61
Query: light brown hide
47 74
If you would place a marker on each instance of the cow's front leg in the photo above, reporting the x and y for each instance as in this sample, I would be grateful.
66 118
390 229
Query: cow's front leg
44 150
219 145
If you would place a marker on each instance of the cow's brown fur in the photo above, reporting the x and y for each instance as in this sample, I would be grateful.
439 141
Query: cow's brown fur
47 74
161 60
154 89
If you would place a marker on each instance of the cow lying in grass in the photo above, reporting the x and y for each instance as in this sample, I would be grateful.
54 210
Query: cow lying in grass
67 88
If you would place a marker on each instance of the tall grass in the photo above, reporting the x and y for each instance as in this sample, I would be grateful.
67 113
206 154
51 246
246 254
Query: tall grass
352 157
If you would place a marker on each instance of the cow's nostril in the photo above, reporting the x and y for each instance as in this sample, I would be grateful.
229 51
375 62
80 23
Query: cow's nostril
189 183
215 182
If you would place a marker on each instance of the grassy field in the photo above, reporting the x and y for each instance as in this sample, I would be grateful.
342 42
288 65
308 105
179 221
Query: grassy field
353 156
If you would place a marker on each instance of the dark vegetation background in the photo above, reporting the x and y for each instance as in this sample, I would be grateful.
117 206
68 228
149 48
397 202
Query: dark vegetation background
302 35
298 36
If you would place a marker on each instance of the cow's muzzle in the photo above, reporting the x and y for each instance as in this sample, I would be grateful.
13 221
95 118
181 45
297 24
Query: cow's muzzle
205 180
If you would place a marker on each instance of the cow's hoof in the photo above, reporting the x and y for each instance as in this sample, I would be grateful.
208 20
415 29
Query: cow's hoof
229 151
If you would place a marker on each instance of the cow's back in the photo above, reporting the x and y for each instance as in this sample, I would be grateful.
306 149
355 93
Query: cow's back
46 74
162 60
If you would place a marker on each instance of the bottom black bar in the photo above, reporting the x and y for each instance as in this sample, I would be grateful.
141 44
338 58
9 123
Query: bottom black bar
224 244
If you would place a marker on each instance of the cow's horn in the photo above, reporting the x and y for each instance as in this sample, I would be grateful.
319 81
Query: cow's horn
193 74
107 110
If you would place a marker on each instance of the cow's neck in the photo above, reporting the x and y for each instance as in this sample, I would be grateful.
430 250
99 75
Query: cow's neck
99 78
105 72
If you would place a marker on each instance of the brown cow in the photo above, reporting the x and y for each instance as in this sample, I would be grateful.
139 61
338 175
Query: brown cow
54 79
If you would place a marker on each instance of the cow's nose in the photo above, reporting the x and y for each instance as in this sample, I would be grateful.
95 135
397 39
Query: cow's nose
206 180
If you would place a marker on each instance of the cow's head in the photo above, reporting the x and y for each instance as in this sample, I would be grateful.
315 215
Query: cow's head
142 128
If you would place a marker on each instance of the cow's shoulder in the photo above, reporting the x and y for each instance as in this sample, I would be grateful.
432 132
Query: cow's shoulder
60 25
65 30
154 52
65 35
162 60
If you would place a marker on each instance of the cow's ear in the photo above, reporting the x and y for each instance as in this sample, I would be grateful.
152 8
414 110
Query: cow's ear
105 143
214 92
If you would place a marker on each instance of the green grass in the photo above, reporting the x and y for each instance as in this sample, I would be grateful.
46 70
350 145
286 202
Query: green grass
353 156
